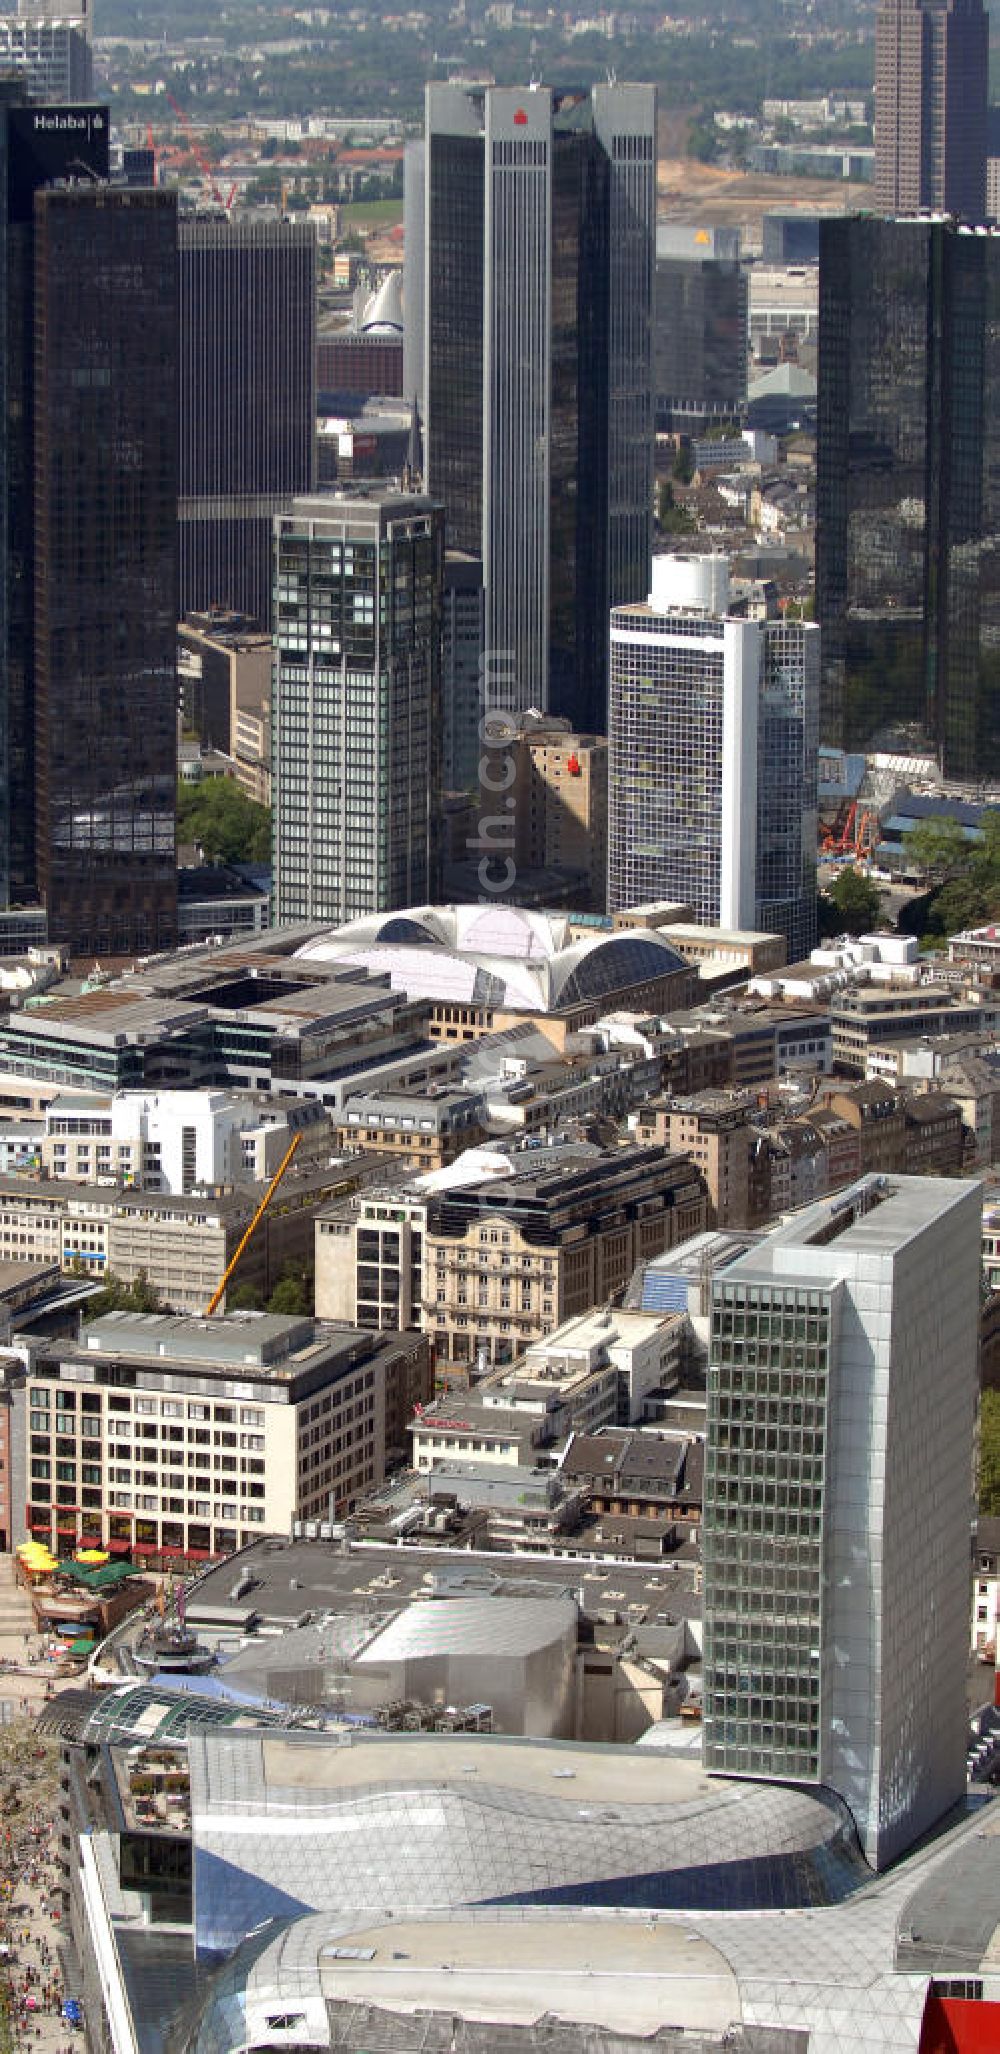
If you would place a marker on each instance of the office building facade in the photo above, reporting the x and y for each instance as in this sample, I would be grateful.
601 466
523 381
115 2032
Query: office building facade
106 566
51 57
712 751
247 402
908 490
170 1437
841 1398
700 343
462 678
356 706
88 586
538 309
38 146
931 86
486 1269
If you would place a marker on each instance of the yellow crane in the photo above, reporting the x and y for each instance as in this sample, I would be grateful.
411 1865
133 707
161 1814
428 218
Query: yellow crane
220 1293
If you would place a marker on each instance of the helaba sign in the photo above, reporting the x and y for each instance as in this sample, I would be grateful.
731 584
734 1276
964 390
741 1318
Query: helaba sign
68 121
46 145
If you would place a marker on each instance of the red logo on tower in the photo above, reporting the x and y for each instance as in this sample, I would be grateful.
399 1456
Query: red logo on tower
520 118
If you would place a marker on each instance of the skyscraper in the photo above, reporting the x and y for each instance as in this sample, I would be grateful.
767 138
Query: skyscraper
247 404
461 677
931 83
539 227
88 426
908 490
712 756
356 706
105 543
842 1382
700 342
51 57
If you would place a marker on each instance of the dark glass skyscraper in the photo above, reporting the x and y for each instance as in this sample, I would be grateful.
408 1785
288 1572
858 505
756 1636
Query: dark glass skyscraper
105 542
88 548
539 227
908 490
37 146
247 405
700 347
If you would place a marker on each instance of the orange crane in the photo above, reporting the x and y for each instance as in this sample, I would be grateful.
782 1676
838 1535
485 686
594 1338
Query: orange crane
197 152
859 836
284 1164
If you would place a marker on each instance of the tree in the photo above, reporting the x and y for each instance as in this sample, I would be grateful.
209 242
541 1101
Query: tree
243 1298
987 850
989 1453
293 1292
227 825
703 141
116 1295
673 519
683 466
962 902
939 847
856 901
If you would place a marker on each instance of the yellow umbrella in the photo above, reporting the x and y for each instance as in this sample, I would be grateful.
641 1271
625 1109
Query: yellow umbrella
95 1558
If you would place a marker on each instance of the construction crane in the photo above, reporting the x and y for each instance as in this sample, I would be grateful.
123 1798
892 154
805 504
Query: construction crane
198 153
219 1294
857 837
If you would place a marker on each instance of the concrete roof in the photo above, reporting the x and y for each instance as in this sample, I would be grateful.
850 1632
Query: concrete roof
908 1207
296 1578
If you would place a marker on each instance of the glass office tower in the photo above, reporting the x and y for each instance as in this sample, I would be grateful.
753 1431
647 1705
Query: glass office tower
356 710
105 588
842 1383
88 537
700 351
37 146
247 402
908 490
538 273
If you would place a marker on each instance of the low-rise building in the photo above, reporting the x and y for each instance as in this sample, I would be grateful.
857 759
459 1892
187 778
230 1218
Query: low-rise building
181 1244
638 1475
173 1437
864 1016
718 950
220 901
504 1247
421 1129
593 1371
175 1141
590 1373
524 1509
877 1115
978 949
966 1066
985 1587
246 1016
